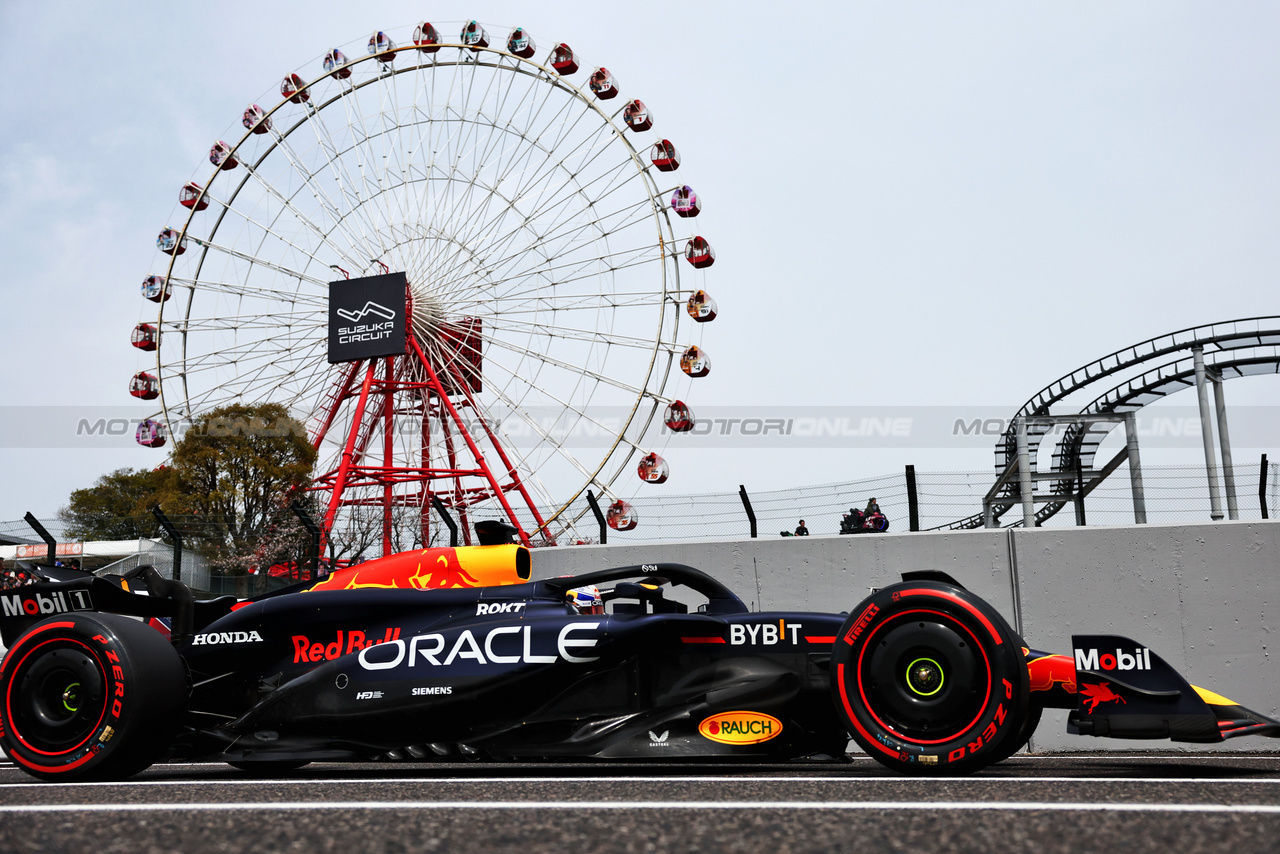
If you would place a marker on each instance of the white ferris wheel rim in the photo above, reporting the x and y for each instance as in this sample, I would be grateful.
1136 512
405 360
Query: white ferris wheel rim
647 392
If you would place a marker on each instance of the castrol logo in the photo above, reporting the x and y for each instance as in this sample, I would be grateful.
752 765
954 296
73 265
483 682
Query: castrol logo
740 727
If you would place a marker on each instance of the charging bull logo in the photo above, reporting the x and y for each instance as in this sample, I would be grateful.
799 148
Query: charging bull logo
1092 695
433 569
446 572
1046 671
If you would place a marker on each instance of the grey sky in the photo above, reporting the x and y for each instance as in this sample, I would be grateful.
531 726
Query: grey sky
912 204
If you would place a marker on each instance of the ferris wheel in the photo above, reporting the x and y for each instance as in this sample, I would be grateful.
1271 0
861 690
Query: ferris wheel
553 281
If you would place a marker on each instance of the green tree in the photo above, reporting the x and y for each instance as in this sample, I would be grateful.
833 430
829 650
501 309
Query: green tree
117 506
235 471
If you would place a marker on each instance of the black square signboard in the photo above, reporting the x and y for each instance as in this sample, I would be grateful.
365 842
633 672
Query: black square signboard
366 317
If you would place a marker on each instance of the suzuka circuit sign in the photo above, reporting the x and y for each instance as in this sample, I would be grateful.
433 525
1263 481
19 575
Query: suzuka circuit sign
366 317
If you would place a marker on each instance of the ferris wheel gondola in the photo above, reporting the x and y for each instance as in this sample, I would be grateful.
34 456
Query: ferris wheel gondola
540 249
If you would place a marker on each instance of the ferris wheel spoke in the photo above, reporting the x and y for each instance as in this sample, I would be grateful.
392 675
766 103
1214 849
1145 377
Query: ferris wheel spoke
586 335
537 249
558 161
308 390
530 147
521 190
460 220
310 180
245 356
459 237
563 274
582 416
229 345
363 143
262 262
449 151
427 178
547 243
348 186
240 289
301 217
268 231
258 380
398 143
548 440
557 203
469 143
433 143
557 200
526 152
564 303
422 174
511 208
533 179
392 143
563 131
557 363
245 323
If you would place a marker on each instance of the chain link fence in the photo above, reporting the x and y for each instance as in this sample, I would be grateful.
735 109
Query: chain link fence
1173 494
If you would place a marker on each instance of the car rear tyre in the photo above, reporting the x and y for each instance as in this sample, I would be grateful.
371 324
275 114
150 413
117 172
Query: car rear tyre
930 679
90 696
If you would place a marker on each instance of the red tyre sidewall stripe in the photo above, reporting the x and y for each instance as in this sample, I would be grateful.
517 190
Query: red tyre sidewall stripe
853 719
956 600
27 636
52 769
8 704
866 643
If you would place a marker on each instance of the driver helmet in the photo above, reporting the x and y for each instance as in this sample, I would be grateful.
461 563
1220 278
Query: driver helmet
586 600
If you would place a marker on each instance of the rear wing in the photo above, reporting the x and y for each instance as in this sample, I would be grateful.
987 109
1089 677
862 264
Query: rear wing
22 607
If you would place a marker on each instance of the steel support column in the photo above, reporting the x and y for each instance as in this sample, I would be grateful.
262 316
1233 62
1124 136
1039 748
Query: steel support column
1224 444
1025 481
1078 498
348 452
388 461
1135 468
1206 435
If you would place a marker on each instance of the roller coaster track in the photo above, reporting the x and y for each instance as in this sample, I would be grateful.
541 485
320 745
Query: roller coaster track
1236 348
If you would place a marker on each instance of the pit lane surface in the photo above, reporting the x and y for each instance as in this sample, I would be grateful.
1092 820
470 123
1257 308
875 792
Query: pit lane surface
1054 803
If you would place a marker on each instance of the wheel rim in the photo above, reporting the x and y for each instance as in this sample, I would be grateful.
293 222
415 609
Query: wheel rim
57 698
924 676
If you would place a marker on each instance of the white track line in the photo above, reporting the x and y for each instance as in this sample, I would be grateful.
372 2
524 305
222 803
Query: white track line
852 806
393 781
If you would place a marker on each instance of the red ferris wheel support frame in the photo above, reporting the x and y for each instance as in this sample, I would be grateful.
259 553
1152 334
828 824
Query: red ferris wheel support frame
360 480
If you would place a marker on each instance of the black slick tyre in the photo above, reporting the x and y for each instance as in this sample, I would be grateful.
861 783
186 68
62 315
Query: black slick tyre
90 696
930 679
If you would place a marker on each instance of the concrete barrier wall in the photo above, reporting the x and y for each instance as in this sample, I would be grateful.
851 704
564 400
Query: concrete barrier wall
812 573
1204 597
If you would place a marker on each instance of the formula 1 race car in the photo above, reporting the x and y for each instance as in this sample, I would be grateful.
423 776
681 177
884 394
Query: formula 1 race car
455 653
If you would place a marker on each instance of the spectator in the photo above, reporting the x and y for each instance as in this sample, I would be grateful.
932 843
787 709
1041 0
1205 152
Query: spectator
801 530
872 507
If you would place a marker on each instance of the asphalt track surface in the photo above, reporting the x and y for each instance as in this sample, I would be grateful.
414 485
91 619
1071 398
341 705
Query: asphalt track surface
1079 803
